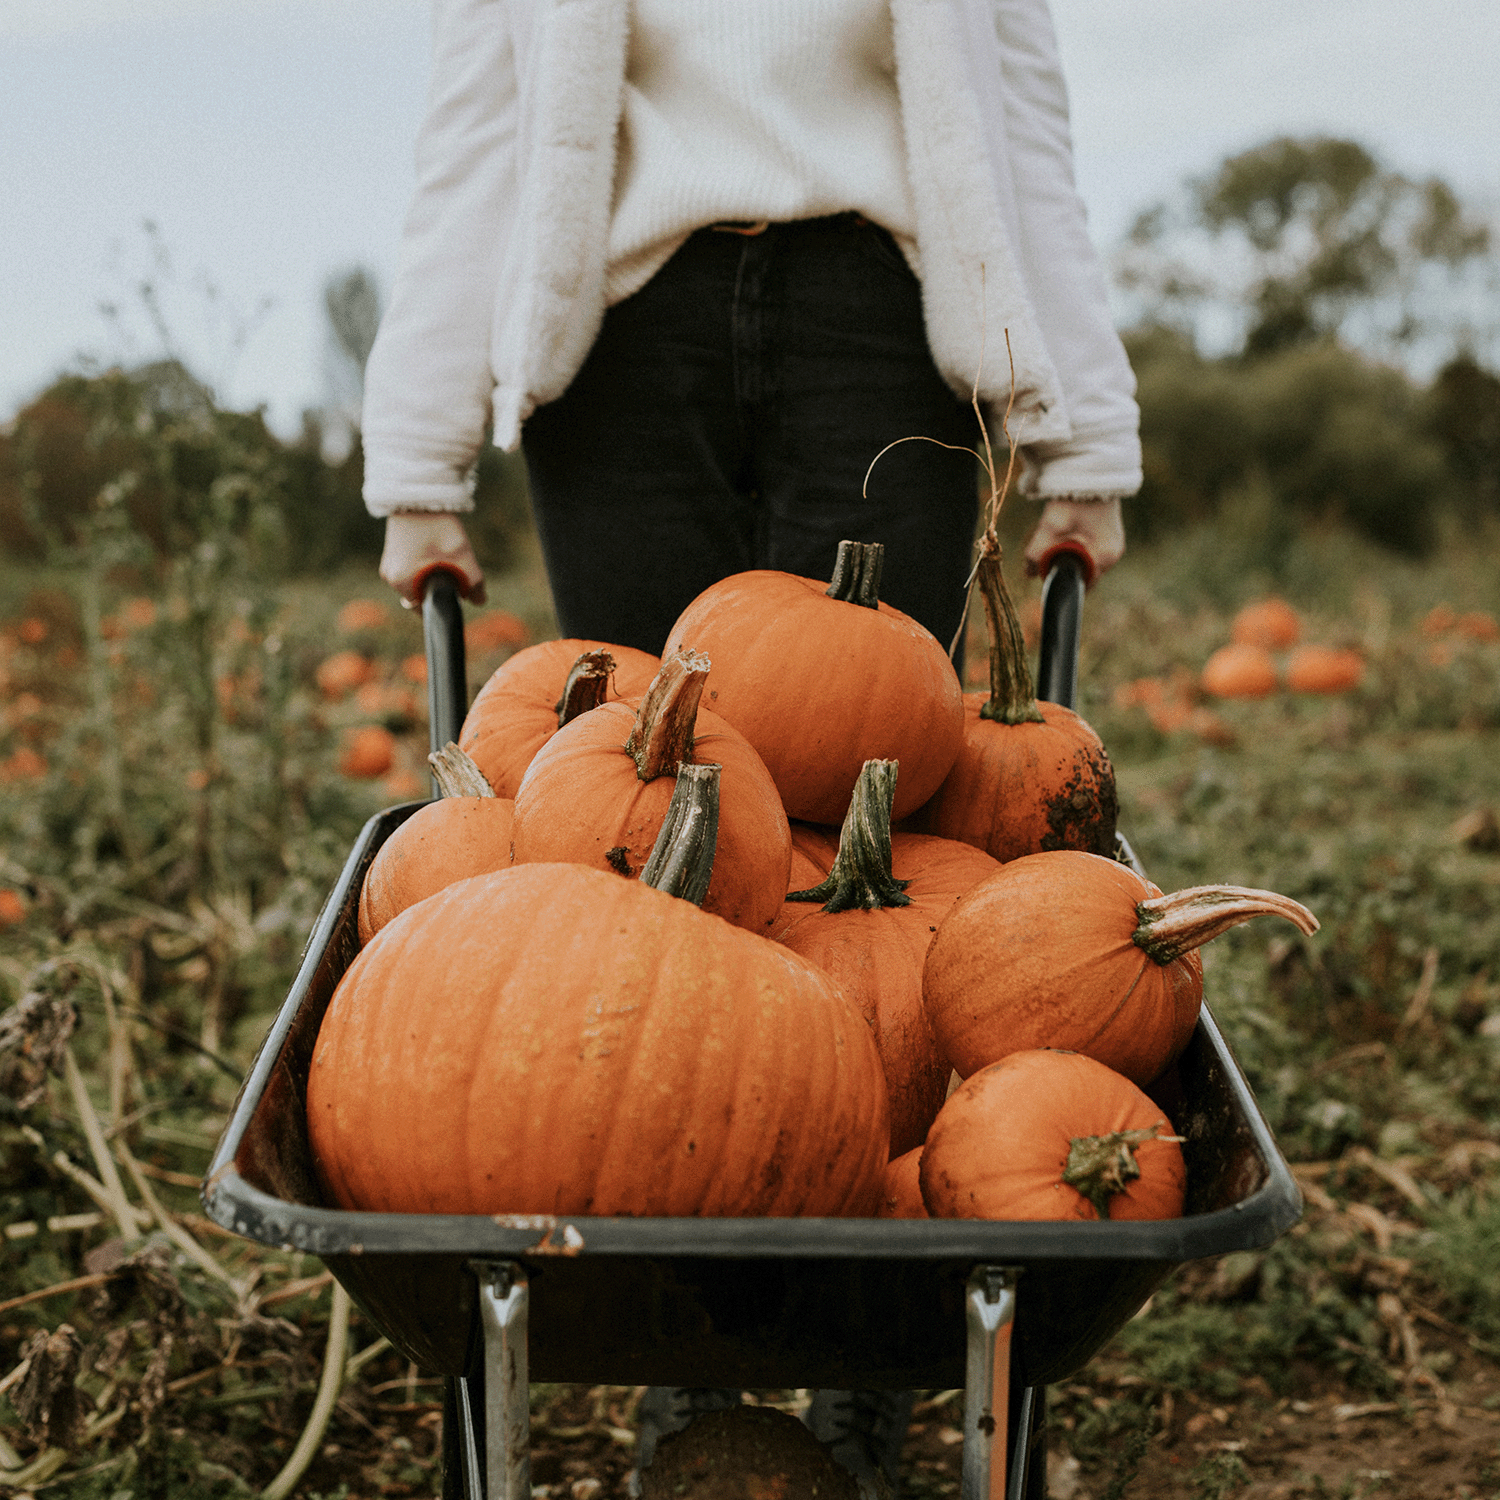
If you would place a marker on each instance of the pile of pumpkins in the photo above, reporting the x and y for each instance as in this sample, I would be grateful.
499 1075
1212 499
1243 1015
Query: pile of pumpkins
779 923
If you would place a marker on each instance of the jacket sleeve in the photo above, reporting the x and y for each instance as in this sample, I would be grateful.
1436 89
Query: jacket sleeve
1102 458
428 384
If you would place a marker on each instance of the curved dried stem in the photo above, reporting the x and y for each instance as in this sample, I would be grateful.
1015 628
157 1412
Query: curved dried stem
456 774
1175 924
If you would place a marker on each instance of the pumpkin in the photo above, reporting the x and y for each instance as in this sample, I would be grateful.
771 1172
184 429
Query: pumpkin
1069 950
1271 624
338 675
362 614
1324 669
1030 775
1051 1135
368 752
534 693
466 831
869 923
901 1187
822 677
597 791
1239 671
551 1039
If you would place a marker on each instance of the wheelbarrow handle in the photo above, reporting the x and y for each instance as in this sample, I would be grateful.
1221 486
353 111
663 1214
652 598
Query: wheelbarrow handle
1062 619
447 680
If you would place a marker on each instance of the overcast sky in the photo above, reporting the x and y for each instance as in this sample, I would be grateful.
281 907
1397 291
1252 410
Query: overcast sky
270 144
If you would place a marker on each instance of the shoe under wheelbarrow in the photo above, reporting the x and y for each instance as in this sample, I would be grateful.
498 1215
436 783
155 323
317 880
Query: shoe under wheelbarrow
1000 1309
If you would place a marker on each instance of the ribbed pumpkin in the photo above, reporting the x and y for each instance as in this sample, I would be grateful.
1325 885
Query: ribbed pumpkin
1030 775
1073 951
822 677
869 924
1051 1135
551 1039
597 791
466 831
536 691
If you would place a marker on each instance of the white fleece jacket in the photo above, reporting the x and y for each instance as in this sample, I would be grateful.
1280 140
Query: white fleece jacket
500 290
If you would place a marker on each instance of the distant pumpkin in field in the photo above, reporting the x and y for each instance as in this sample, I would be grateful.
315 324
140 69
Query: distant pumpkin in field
1324 669
1239 671
1271 624
369 752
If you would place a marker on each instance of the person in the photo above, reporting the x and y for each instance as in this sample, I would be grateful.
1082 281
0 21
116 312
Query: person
703 261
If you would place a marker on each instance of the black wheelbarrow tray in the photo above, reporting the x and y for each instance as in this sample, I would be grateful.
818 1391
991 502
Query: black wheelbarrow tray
998 1308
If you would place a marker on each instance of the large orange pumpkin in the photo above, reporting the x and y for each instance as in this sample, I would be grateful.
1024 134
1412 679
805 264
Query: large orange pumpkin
1051 1135
551 1039
869 924
597 791
1030 775
536 691
822 677
1069 950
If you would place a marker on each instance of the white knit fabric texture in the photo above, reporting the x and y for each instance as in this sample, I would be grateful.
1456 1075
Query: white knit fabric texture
751 110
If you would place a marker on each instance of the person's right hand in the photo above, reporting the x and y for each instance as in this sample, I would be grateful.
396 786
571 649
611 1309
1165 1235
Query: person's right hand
417 543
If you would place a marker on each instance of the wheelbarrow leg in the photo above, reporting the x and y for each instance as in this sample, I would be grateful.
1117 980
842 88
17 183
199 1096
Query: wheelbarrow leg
505 1462
990 1303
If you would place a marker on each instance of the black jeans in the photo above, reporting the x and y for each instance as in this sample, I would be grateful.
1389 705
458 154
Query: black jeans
725 419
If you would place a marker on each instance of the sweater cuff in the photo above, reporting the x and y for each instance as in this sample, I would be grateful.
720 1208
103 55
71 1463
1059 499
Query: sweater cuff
424 479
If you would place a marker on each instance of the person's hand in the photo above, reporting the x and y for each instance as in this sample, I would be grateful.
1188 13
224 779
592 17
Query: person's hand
417 542
1093 527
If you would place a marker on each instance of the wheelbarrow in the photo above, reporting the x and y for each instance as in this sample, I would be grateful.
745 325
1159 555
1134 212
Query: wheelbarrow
1000 1309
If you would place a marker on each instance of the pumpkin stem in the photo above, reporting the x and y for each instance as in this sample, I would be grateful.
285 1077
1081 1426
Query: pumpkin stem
456 774
682 858
1099 1166
1175 924
861 873
588 682
1012 697
856 573
661 739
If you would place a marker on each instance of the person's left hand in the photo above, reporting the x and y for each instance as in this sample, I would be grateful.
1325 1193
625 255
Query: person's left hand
419 542
1092 527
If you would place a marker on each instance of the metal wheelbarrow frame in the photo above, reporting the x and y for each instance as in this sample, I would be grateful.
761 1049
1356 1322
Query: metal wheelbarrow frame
998 1308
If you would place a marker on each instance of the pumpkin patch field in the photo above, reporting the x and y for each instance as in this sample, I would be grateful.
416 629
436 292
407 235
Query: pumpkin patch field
189 748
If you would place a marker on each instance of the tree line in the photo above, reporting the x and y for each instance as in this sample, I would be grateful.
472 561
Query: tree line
1313 334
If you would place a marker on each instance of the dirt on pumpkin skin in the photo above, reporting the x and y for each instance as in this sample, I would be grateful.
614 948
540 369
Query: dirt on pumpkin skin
1085 809
748 1453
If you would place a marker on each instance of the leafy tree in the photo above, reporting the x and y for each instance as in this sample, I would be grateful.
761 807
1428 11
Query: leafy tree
1301 239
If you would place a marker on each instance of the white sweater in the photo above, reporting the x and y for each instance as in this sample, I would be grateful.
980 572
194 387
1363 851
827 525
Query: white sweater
753 109
508 244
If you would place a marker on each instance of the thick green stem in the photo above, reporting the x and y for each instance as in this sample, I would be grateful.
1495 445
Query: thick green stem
662 736
587 684
456 774
861 874
682 859
1177 923
1099 1166
856 573
1012 697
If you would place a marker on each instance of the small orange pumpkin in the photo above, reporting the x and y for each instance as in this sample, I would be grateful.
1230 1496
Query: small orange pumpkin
533 694
368 752
1051 1135
1239 671
1069 950
466 831
1324 669
338 675
1272 624
1029 775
